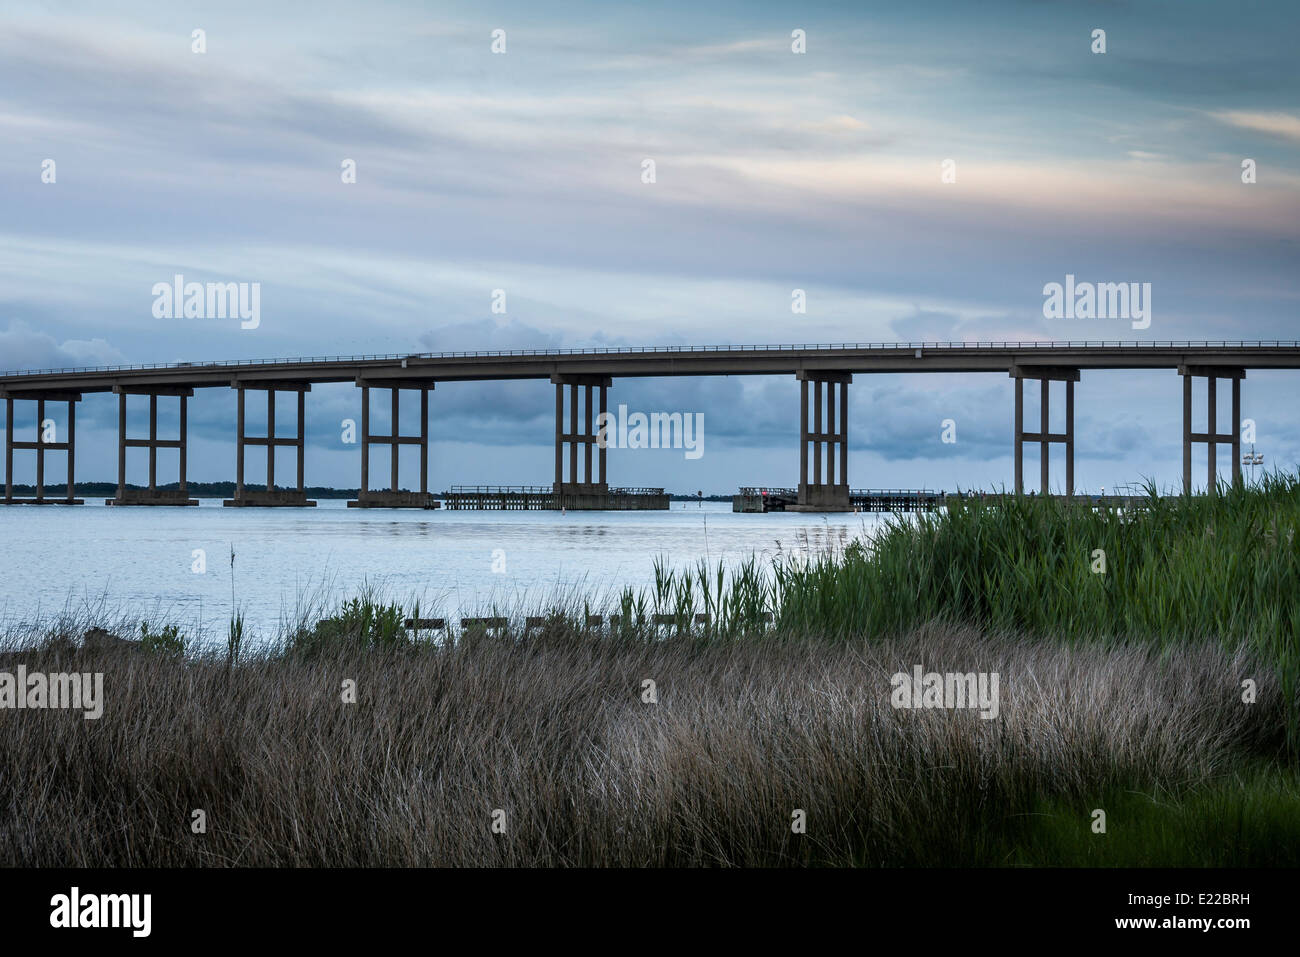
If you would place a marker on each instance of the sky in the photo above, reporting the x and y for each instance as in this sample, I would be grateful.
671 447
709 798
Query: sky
524 171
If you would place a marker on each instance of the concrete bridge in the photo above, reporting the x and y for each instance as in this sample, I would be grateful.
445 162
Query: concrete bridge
824 371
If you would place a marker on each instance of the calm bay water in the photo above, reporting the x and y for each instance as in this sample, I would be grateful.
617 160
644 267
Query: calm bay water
138 562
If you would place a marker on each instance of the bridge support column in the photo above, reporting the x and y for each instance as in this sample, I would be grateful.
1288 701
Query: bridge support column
831 495
582 489
394 496
1044 437
153 495
40 446
1211 437
270 497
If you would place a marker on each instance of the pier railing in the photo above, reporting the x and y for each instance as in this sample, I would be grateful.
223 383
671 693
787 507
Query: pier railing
536 490
545 497
500 490
893 492
1045 345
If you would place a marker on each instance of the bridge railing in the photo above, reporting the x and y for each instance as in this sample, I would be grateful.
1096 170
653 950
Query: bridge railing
1043 344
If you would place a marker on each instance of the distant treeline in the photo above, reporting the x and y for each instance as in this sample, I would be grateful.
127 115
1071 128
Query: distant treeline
227 489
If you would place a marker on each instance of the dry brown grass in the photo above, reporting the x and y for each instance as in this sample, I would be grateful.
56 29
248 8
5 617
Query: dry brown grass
554 732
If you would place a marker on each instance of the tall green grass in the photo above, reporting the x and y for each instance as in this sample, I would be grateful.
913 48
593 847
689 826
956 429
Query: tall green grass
1224 567
1245 819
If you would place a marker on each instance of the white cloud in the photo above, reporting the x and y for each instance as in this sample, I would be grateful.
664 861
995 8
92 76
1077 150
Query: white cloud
1285 125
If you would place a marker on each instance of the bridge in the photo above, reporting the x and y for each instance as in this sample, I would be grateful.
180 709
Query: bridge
582 378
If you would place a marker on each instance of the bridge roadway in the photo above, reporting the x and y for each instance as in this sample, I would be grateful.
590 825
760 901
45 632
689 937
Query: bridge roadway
674 361
826 366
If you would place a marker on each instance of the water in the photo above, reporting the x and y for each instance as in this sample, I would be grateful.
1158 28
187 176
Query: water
139 562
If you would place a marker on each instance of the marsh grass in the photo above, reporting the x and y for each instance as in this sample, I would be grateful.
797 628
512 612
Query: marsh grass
1178 569
552 730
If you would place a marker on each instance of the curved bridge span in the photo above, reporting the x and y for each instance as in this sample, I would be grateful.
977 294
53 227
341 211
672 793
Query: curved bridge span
824 370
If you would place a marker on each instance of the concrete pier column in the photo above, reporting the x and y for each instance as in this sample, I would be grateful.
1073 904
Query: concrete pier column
72 450
844 434
1018 437
1044 437
817 432
40 446
394 496
152 495
586 446
239 445
1236 431
803 432
424 449
559 436
604 412
830 432
270 435
270 496
153 442
829 441
573 429
40 454
182 458
365 440
1187 434
1069 437
9 449
1044 447
1212 408
121 446
394 448
581 488
1211 437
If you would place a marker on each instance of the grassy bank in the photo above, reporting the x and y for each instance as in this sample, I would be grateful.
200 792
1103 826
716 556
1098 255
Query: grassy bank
1121 692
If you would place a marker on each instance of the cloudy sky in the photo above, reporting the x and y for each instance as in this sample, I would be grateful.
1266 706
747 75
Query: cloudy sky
774 171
